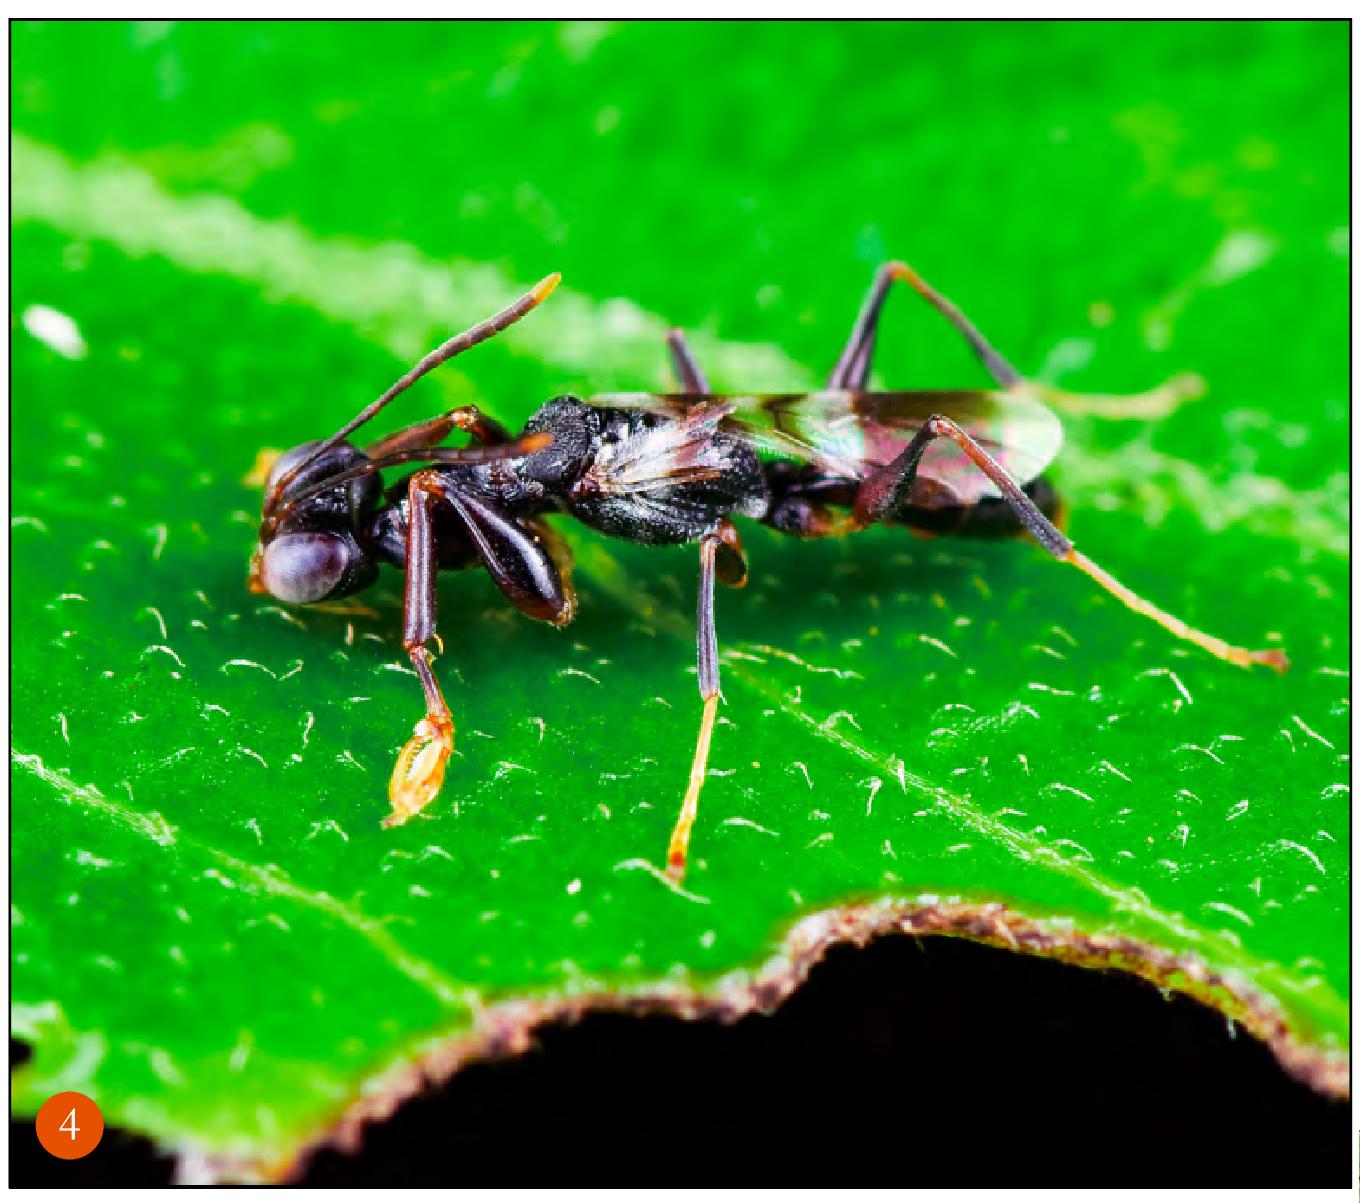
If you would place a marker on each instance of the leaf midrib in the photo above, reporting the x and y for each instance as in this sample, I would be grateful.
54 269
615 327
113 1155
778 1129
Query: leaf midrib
610 575
268 879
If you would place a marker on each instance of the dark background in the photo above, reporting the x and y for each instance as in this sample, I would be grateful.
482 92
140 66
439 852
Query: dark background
908 1062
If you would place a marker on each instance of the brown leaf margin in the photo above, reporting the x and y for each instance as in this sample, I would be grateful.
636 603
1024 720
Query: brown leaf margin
507 1029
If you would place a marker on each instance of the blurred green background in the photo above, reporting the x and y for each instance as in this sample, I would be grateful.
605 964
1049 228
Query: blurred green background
747 177
222 206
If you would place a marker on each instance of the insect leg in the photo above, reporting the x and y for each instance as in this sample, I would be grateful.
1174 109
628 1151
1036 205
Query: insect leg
687 369
886 489
852 369
523 557
485 432
720 557
429 433
419 770
732 568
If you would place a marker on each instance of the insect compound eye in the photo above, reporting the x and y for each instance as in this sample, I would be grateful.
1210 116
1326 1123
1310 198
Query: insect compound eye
305 567
338 459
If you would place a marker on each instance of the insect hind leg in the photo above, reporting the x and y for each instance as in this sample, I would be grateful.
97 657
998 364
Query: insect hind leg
853 367
886 492
990 518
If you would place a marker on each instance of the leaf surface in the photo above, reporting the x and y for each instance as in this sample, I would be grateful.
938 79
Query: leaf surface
212 934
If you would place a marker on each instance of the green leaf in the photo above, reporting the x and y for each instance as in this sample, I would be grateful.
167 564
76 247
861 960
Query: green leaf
213 936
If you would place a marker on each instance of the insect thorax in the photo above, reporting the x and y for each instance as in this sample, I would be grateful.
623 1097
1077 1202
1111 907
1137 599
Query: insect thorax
650 478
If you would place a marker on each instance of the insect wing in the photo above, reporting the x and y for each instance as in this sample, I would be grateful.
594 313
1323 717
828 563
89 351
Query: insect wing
1011 425
848 434
679 450
818 428
823 428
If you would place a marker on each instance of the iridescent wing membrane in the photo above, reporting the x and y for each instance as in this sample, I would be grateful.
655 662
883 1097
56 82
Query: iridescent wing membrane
847 434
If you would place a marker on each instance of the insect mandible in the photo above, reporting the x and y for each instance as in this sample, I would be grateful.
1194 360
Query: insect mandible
662 469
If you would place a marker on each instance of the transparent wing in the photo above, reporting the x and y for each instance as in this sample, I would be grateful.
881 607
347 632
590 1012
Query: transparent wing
848 434
679 450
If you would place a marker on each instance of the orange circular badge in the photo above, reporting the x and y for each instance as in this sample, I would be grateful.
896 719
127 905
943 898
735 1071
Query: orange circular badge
70 1125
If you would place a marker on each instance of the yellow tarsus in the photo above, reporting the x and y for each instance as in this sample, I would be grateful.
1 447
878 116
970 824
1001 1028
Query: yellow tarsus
677 855
1240 656
419 772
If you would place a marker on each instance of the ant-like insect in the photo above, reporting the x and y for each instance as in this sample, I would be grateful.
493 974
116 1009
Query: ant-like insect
662 469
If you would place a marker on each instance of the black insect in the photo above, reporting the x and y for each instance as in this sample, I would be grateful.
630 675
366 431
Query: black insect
662 469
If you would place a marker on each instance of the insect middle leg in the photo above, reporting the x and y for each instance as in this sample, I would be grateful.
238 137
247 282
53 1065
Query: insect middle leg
884 492
721 558
852 368
687 369
419 771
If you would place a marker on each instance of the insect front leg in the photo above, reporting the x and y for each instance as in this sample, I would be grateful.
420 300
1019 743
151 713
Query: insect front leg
429 433
485 432
852 368
419 770
888 488
721 558
527 562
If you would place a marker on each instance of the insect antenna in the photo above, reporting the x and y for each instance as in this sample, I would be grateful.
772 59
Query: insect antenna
429 455
441 354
